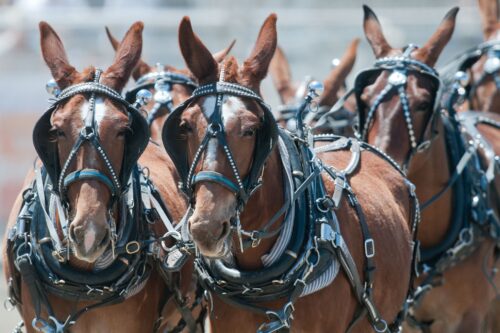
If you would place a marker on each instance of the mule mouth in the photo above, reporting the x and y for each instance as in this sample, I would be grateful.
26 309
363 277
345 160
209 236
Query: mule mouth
95 252
213 247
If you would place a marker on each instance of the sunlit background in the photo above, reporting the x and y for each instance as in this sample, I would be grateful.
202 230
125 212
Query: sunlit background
311 33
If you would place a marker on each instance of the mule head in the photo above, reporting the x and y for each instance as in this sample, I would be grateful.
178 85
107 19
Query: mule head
90 200
291 93
483 74
242 122
390 129
177 92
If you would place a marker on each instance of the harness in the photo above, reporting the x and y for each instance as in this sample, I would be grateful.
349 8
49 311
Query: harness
458 68
162 82
318 117
473 218
34 246
315 242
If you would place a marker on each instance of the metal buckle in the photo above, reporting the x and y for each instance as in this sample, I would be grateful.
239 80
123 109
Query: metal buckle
369 248
87 132
133 247
423 146
380 326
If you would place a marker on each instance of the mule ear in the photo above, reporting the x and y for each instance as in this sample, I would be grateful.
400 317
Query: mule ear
337 76
222 54
140 69
430 52
257 64
374 34
127 56
55 56
198 58
282 76
488 9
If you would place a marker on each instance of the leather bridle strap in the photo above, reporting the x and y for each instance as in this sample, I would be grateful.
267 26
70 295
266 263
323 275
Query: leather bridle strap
241 188
89 134
399 67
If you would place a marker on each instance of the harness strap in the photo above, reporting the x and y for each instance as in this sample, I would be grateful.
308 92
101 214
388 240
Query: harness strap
48 221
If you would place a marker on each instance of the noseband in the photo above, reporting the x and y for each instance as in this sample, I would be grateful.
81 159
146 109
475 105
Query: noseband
399 68
162 82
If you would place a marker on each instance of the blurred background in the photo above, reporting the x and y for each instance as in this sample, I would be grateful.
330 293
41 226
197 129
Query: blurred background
311 33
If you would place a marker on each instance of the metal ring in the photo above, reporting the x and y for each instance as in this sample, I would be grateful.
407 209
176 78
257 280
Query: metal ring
9 304
130 249
380 326
175 235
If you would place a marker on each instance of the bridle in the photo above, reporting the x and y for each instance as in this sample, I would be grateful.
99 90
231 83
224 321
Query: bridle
243 188
62 178
491 68
399 68
162 82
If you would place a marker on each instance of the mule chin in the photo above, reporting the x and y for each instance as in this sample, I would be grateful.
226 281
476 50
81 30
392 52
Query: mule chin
91 256
220 251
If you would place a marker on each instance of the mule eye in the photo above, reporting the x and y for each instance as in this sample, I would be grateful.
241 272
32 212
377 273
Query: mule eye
185 127
122 133
248 132
55 133
424 106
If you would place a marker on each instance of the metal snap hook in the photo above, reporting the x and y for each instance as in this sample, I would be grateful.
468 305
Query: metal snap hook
175 235
9 304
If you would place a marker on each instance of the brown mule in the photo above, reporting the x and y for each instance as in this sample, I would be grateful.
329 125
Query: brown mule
219 186
399 112
102 169
178 84
175 86
292 94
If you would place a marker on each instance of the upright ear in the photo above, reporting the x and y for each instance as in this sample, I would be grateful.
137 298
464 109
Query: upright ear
55 56
337 76
222 54
282 76
430 52
374 34
257 64
198 58
488 9
128 53
140 69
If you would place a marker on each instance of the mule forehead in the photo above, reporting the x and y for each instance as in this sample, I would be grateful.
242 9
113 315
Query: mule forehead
231 105
99 110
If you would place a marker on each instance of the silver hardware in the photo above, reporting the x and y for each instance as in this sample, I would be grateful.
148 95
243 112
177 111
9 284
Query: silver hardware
162 92
315 88
369 248
335 62
492 65
9 304
462 78
52 88
380 326
397 78
143 97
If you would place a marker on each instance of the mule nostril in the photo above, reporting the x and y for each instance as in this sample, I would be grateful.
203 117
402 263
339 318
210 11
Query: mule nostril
105 239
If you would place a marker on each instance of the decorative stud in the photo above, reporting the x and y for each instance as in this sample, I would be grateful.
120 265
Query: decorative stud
52 88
